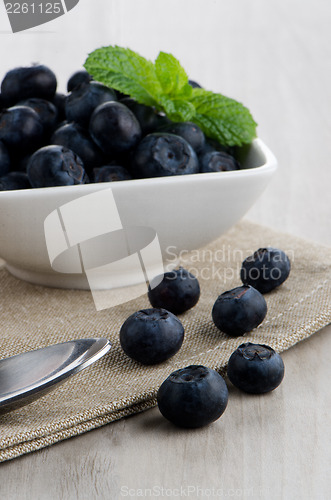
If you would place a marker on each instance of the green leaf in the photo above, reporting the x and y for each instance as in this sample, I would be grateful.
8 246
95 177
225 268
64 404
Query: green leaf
126 71
165 86
177 109
223 118
172 76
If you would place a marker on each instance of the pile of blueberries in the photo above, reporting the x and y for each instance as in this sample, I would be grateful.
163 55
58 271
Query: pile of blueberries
195 396
92 134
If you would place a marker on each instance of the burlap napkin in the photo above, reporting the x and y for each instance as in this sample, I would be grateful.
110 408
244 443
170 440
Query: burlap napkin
115 386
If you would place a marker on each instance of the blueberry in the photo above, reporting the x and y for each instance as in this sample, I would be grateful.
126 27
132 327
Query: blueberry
162 154
76 138
266 269
194 84
255 368
193 396
214 145
79 77
59 101
20 127
83 100
4 159
46 111
151 336
25 82
19 163
14 180
178 291
188 131
120 95
55 166
162 122
239 310
114 128
217 161
147 117
111 173
2 102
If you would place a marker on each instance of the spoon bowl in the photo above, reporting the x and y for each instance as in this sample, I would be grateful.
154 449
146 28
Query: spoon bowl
30 375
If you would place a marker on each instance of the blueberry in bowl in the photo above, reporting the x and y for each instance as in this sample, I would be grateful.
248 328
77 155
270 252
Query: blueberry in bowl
147 116
14 180
194 84
111 173
84 99
25 82
4 159
21 129
193 397
218 161
78 78
74 137
55 166
114 128
255 368
162 154
46 111
188 131
163 193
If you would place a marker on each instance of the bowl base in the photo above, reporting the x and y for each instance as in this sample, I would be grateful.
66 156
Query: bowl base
80 281
53 280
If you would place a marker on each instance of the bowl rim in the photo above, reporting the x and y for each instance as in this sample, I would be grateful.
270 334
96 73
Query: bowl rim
269 166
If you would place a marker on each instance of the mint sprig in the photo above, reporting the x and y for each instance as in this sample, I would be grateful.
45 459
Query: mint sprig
226 120
126 71
164 85
172 76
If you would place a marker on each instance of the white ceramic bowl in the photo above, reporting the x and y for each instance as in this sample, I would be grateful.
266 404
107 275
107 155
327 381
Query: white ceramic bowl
186 212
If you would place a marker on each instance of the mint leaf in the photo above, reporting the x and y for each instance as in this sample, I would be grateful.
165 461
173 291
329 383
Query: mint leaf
172 76
126 71
177 109
223 118
165 86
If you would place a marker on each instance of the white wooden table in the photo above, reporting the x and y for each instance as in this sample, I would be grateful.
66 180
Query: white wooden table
276 58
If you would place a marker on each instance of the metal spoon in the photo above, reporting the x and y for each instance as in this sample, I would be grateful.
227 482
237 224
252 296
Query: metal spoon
28 376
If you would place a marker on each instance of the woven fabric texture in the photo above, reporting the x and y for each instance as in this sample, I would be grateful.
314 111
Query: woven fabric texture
115 386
